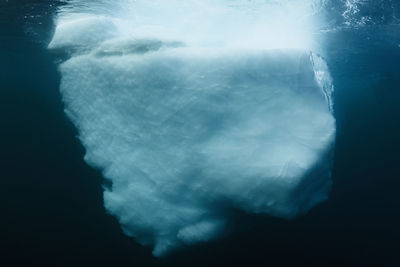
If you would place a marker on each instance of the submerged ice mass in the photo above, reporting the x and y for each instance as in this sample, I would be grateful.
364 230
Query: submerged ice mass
191 109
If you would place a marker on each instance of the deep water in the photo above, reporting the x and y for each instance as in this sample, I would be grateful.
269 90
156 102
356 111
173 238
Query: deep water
51 201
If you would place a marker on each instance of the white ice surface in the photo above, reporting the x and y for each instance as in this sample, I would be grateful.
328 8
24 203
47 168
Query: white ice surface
186 129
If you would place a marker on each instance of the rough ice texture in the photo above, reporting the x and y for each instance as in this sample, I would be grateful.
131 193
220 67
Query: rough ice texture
185 133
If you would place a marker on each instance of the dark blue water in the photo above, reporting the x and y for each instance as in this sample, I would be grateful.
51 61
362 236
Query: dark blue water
51 202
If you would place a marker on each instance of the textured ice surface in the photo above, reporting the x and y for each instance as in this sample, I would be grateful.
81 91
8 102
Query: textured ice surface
186 131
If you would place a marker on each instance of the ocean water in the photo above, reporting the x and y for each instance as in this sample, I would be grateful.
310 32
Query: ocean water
52 201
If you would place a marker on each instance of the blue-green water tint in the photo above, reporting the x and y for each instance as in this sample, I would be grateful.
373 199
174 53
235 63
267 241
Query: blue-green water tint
52 202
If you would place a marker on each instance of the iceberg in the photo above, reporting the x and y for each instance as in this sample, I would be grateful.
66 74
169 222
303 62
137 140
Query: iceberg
186 130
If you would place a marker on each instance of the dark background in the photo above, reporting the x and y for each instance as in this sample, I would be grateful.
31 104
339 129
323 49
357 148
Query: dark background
51 202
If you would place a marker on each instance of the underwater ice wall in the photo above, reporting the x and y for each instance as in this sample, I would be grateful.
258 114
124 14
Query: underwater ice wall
192 108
